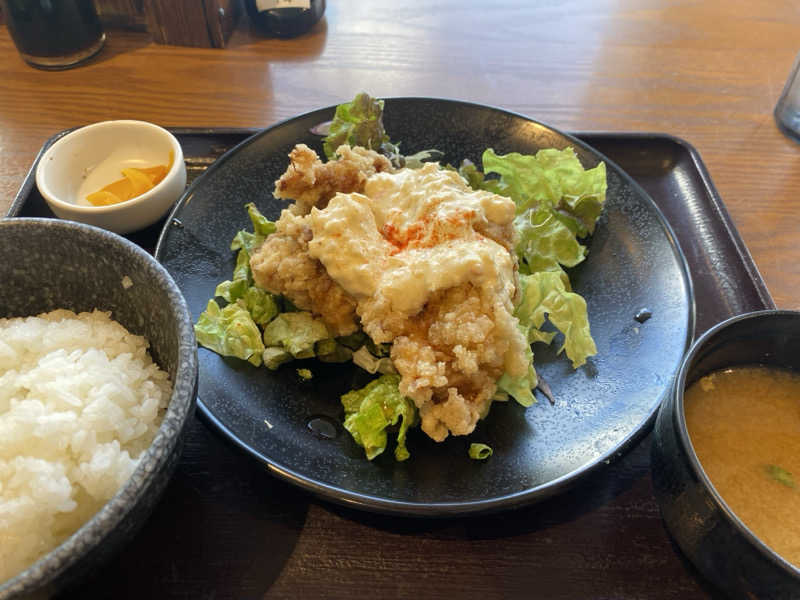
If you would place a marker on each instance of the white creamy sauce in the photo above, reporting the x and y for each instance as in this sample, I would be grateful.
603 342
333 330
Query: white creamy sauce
407 196
347 241
411 234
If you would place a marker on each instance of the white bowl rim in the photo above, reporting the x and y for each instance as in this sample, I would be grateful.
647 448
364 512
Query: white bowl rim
177 165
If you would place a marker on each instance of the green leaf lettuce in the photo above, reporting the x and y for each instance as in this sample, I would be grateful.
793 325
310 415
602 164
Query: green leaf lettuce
369 411
357 123
296 332
558 201
230 331
520 388
545 242
553 178
546 294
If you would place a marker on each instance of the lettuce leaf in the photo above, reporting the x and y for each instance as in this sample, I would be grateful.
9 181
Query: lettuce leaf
357 123
274 357
520 388
546 294
558 201
230 331
331 350
360 123
471 174
553 178
233 330
261 225
545 242
369 411
232 290
245 242
261 305
296 332
371 363
354 341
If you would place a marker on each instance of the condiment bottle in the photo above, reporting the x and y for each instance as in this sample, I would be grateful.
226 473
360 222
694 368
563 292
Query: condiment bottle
284 18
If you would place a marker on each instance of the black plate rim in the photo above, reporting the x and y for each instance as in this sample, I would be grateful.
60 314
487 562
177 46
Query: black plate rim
381 505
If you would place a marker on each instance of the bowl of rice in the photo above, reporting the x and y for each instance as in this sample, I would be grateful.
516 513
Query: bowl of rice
98 377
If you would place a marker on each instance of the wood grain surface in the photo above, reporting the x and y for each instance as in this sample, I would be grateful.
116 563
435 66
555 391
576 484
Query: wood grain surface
709 72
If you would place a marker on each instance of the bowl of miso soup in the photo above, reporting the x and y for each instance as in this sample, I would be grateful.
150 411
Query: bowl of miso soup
726 455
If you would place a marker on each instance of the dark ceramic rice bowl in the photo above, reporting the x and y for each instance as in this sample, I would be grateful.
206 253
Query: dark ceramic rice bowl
49 264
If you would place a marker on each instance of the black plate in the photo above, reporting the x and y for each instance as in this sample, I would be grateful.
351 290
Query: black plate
600 410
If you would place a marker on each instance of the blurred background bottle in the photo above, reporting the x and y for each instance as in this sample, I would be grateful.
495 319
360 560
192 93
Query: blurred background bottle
787 110
54 34
284 18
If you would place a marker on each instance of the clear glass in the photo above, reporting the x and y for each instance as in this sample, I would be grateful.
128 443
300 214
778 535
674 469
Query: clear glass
54 34
787 110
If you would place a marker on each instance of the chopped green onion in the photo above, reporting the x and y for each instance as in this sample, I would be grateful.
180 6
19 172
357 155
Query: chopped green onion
479 451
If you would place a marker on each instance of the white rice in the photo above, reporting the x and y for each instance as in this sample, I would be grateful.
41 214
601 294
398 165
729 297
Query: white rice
80 400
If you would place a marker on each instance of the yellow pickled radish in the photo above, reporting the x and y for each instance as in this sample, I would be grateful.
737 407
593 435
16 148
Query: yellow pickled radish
135 182
139 181
103 198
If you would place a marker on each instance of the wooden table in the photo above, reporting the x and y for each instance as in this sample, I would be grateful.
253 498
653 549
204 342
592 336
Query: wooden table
707 71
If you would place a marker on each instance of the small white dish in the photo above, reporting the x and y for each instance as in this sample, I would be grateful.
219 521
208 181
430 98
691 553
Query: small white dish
89 158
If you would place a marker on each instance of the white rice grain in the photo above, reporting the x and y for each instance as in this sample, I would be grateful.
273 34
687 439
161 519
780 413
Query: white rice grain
80 400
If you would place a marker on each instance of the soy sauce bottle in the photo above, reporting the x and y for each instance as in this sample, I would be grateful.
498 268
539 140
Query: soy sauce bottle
284 18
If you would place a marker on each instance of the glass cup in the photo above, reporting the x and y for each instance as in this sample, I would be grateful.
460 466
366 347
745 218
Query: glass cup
787 110
54 34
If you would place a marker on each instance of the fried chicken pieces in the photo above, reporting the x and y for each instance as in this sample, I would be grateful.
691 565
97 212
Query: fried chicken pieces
413 257
311 183
282 265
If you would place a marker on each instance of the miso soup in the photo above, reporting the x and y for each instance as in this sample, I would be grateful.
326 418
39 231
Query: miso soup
744 424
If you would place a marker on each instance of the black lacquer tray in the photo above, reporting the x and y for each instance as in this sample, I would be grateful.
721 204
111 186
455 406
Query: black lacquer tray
222 514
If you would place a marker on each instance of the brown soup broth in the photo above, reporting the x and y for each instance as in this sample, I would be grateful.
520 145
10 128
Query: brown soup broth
744 425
